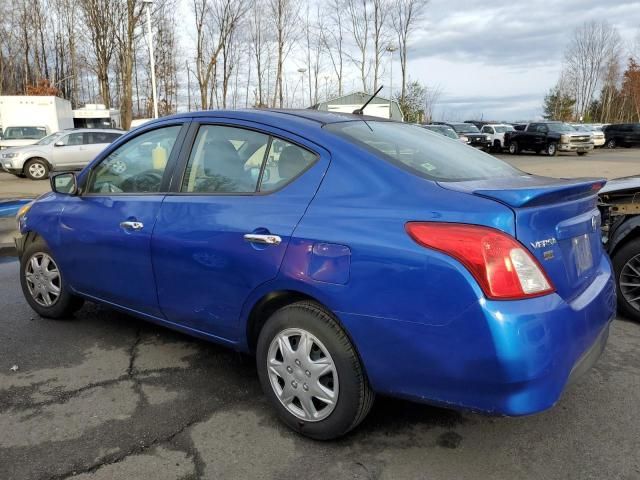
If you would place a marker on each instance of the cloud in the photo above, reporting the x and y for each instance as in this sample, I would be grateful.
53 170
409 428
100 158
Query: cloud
512 33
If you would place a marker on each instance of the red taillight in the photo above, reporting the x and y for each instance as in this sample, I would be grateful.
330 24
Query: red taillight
501 265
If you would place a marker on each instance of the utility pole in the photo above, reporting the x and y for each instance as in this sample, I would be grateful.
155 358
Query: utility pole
391 49
326 87
186 65
302 70
152 59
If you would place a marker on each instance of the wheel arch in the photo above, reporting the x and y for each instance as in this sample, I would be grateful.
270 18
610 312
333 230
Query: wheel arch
269 304
36 157
628 230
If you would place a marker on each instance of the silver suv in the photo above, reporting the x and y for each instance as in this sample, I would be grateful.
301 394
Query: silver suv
65 150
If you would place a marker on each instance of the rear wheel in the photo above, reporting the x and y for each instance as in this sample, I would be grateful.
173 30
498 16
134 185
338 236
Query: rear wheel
43 285
514 149
36 169
626 266
552 149
311 373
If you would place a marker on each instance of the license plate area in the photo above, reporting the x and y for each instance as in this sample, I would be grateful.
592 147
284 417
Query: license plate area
582 253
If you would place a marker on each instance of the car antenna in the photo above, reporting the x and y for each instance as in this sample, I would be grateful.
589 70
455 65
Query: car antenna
360 111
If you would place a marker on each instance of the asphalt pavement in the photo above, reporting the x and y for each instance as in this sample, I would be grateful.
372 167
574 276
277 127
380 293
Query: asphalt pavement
106 396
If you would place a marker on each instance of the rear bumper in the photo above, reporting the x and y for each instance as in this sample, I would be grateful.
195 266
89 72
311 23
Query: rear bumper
499 357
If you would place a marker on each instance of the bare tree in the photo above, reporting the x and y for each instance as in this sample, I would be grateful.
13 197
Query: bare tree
380 35
216 22
405 16
100 18
259 46
593 46
332 35
284 15
431 99
359 15
129 14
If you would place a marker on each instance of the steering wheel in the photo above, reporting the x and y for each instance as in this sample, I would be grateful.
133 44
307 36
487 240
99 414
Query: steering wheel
147 181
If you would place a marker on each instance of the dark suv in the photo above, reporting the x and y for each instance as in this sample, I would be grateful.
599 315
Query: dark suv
622 135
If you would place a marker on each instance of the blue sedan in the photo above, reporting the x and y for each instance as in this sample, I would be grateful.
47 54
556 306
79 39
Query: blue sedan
353 256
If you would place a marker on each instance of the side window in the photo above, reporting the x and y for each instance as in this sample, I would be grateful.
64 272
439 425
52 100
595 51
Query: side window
225 160
137 166
73 139
285 162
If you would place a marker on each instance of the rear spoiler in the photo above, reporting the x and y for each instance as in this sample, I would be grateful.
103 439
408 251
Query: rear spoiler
529 191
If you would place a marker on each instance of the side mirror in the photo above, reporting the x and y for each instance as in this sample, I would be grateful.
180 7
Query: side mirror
65 183
59 143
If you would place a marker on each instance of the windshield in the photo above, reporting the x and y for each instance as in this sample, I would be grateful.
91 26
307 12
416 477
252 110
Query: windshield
50 138
443 130
424 153
504 128
465 128
24 133
560 127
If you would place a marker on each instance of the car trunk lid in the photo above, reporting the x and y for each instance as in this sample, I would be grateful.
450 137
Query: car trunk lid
557 220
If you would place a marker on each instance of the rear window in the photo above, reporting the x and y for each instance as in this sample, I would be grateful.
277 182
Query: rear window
424 153
24 133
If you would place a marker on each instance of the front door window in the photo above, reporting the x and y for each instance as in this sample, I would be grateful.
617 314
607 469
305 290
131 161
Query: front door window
137 166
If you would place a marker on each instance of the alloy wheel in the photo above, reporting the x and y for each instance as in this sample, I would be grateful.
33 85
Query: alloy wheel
118 167
43 279
302 374
37 170
629 281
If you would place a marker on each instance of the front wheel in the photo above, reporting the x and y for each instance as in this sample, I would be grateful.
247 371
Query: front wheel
43 285
513 148
311 373
552 149
611 143
36 169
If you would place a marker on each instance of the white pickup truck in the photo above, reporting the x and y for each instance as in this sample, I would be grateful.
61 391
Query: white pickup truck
496 132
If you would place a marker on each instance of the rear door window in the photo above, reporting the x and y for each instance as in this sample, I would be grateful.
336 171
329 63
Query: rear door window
424 153
227 159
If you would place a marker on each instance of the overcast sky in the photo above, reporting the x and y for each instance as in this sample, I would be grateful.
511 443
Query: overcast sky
493 59
499 58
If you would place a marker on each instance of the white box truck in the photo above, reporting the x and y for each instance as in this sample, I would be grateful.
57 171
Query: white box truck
25 119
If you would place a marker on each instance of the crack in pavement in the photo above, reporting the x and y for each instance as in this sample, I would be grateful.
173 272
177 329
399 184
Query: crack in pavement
138 449
65 396
133 353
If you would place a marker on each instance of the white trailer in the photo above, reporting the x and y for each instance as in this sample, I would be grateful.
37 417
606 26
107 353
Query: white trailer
25 119
96 115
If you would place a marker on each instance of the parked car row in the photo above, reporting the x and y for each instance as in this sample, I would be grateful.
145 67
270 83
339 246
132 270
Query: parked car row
70 149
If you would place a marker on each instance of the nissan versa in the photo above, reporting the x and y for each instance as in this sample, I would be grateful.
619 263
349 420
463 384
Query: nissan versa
352 255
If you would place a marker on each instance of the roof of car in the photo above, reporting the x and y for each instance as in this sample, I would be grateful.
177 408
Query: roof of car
307 116
109 130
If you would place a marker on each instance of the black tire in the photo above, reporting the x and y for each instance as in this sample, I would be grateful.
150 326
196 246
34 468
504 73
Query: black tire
611 143
514 149
625 253
65 304
355 396
552 149
581 154
34 167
